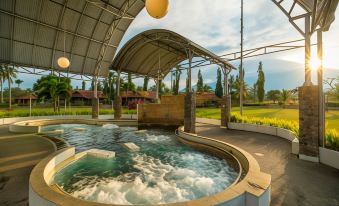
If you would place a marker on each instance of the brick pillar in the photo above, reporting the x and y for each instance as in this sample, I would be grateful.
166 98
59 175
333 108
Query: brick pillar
95 108
189 121
309 123
117 107
225 110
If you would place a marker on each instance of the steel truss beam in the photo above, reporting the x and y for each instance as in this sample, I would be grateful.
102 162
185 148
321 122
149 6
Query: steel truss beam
259 51
288 12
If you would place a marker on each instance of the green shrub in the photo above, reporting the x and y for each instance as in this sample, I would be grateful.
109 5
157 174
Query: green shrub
331 135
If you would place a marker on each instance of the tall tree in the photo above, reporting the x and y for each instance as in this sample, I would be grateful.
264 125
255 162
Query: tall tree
207 88
83 85
18 82
284 96
52 87
176 81
261 83
218 86
252 92
145 86
200 84
273 95
10 74
2 79
130 85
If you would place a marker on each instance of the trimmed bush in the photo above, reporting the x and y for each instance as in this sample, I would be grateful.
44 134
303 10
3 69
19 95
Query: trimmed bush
331 135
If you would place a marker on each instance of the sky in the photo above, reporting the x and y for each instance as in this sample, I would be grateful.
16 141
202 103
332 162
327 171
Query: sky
216 26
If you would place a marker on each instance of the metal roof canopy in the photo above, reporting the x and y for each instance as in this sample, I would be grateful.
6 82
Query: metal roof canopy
159 50
32 32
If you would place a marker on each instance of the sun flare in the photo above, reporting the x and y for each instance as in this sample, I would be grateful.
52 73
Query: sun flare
315 63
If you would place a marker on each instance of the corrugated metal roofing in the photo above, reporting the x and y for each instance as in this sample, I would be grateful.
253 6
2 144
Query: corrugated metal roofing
32 31
159 50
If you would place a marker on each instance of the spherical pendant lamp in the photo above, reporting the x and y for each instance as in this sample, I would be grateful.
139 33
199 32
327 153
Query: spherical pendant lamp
63 62
157 8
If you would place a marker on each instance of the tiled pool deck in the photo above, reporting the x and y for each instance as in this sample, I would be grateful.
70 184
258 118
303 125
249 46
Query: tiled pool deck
294 182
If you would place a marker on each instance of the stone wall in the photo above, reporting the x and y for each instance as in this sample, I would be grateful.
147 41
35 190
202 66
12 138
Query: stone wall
169 112
309 122
189 123
225 110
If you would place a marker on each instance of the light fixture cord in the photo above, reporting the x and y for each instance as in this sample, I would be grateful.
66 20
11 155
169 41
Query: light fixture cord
64 38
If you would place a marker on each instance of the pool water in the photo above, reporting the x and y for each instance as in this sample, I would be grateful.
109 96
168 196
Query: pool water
163 171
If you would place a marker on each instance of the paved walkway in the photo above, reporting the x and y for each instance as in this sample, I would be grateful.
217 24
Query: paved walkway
18 155
294 182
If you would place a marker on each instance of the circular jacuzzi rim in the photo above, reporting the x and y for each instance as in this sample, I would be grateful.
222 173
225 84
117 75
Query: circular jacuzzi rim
40 190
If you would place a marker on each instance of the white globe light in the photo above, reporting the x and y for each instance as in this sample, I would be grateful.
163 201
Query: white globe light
63 62
157 8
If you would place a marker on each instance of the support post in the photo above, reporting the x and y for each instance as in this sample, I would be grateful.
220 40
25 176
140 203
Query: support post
95 99
189 120
117 100
309 123
308 80
309 107
225 102
322 142
241 72
30 104
157 82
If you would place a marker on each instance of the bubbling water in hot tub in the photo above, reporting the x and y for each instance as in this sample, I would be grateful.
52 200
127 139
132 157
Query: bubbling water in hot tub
162 171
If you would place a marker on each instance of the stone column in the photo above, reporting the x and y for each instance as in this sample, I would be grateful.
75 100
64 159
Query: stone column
95 108
309 123
117 104
95 99
117 107
225 110
189 118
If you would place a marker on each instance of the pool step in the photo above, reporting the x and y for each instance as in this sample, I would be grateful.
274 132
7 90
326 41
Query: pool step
101 153
59 143
131 146
140 131
79 129
57 131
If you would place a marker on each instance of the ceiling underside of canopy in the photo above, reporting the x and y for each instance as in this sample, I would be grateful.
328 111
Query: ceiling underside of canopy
157 51
322 11
33 31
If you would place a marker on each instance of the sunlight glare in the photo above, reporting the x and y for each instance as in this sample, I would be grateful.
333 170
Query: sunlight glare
315 63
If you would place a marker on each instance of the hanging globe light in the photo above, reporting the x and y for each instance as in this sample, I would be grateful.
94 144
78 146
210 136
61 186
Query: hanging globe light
157 8
63 62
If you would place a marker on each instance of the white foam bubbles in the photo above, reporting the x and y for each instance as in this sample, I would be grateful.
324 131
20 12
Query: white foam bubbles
156 183
157 138
110 126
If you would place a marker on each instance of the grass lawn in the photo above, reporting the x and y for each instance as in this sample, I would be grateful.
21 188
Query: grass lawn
24 111
332 117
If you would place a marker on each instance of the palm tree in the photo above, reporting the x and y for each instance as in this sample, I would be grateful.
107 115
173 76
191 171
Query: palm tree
2 79
285 95
56 87
9 75
18 82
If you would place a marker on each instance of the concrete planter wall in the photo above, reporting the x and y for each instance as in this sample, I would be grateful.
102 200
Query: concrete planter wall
264 129
329 157
34 125
5 121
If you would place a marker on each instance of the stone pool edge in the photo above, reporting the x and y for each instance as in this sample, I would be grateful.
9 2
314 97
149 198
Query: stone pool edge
252 190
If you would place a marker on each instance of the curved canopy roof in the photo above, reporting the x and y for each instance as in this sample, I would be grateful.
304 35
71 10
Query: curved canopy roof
159 50
32 31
